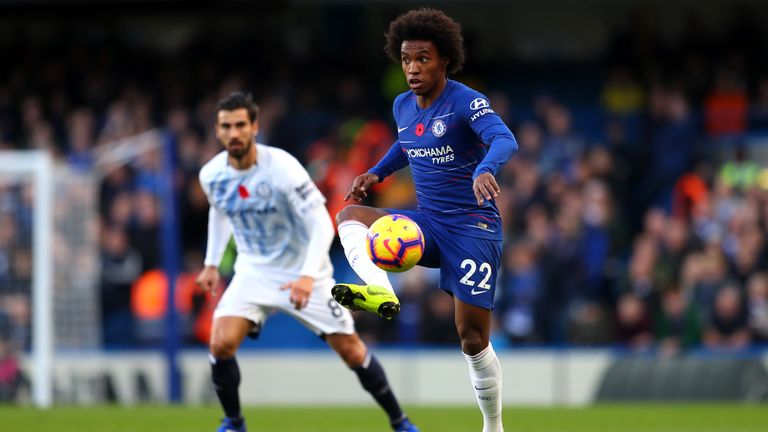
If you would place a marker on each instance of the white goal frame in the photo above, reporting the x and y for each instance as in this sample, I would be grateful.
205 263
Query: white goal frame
39 165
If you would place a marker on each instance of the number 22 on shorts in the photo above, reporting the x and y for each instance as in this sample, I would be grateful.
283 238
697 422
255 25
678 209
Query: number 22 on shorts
471 267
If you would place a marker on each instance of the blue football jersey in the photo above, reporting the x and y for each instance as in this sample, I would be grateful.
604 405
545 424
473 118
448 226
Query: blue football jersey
447 146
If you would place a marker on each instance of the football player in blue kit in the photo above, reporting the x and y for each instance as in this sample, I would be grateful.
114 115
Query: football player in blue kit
455 143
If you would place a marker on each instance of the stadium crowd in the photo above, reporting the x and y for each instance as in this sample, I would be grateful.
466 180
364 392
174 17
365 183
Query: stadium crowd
634 218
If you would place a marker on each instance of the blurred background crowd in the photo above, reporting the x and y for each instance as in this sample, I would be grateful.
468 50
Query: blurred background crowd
635 212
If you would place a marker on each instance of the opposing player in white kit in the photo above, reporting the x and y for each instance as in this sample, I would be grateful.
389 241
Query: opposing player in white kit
283 232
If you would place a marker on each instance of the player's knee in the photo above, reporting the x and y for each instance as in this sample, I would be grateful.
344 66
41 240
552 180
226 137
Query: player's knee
355 356
360 213
347 213
223 348
472 343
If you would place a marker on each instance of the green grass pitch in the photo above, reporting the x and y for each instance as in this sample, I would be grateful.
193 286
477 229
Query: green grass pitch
601 418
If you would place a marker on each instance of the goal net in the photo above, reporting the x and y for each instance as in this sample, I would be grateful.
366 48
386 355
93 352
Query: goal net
48 266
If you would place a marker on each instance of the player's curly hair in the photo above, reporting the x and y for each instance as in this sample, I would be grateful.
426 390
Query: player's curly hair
237 100
427 24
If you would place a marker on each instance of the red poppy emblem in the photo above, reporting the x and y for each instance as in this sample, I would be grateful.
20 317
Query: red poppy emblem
243 192
420 129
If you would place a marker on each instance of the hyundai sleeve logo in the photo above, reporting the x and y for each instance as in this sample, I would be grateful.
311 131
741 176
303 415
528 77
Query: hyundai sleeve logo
479 103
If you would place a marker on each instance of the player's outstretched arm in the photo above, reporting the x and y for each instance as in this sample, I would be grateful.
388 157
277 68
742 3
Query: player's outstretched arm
360 186
392 161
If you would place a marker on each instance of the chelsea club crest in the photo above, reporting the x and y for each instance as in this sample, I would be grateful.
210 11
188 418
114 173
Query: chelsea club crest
438 128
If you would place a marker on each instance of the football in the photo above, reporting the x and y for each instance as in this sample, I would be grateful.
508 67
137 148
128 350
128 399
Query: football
395 243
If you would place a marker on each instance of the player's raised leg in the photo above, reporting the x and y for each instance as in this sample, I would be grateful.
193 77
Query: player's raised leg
226 336
377 295
372 377
473 324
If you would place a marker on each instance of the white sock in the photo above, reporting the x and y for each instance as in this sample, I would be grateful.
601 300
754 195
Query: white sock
353 235
485 374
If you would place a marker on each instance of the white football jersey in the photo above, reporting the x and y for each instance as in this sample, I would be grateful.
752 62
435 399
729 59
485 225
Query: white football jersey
263 204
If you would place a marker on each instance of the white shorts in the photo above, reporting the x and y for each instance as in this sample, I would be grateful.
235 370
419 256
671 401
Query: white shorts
255 296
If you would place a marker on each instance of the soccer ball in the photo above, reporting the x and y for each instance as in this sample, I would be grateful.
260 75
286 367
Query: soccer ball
395 243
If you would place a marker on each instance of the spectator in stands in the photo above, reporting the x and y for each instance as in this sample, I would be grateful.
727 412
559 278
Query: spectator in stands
518 293
149 302
757 306
120 266
145 232
633 324
708 276
117 182
10 371
641 278
8 233
725 108
17 307
728 328
691 190
21 270
81 131
562 266
621 95
740 172
561 147
671 136
676 245
530 139
705 224
676 324
600 235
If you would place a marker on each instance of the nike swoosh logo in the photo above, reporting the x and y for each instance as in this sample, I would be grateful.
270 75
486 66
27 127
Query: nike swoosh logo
401 129
478 292
481 389
372 291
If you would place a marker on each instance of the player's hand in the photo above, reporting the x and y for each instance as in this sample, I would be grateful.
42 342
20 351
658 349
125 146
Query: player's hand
360 186
485 188
208 280
301 289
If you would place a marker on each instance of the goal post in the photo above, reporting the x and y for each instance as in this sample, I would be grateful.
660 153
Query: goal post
50 264
37 166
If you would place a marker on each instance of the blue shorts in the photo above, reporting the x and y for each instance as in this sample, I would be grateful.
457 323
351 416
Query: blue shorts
469 266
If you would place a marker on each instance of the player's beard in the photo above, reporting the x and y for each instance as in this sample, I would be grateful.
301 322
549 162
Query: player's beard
239 152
